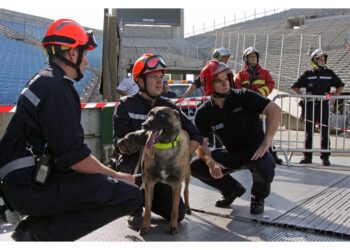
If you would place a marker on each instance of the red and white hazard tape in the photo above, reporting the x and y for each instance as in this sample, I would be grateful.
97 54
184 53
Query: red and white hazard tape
344 130
98 105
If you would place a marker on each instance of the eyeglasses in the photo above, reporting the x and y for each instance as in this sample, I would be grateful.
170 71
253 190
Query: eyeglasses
153 62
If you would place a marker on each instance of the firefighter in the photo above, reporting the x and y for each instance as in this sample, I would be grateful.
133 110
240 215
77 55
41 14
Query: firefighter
255 78
220 54
46 170
148 73
233 116
317 81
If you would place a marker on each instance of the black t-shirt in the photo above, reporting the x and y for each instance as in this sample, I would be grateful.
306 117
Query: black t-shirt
318 82
48 113
237 124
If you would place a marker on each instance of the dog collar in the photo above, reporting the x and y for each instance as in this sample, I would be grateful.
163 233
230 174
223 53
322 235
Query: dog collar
163 146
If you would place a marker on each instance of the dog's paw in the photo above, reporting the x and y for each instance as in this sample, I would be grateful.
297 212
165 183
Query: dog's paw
188 211
144 230
173 230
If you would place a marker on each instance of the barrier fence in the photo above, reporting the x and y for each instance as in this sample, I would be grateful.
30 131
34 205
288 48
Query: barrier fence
327 115
323 120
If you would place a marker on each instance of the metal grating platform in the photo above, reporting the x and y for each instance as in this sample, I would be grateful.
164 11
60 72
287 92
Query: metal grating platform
328 212
289 235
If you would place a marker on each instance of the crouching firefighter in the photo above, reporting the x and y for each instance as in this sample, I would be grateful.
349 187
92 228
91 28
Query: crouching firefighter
47 171
233 116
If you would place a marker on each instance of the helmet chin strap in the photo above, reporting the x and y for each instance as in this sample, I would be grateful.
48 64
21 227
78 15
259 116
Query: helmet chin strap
76 65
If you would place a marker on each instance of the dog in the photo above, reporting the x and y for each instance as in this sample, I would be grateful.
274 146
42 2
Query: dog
165 158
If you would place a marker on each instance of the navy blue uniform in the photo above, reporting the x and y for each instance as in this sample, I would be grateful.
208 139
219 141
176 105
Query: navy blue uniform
317 82
238 127
128 117
70 204
169 94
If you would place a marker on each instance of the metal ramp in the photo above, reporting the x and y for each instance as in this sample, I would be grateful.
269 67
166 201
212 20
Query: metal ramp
306 204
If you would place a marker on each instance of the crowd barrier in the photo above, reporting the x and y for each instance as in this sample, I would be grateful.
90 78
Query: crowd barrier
289 139
314 115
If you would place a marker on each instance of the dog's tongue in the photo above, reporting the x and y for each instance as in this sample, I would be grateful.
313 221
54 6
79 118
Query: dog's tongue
152 139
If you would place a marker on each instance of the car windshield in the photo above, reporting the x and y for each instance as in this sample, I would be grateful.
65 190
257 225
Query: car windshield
180 89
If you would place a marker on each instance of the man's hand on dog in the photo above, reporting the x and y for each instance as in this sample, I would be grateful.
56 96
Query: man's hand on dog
126 177
215 169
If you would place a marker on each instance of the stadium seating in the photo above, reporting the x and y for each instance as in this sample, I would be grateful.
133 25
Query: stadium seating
20 61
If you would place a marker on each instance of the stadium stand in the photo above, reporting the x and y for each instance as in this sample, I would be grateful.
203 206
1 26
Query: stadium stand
21 55
326 27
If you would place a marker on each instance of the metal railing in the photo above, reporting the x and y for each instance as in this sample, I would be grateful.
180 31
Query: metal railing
307 114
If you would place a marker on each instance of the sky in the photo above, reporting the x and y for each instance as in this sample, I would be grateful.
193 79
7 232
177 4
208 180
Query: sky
196 12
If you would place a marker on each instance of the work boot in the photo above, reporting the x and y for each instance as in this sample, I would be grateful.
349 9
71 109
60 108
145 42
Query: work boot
228 198
257 206
135 220
325 161
306 160
23 233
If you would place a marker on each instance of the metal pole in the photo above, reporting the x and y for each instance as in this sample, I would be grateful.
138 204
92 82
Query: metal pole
197 56
266 50
216 39
319 41
243 49
254 40
300 51
229 40
222 39
280 68
224 21
237 52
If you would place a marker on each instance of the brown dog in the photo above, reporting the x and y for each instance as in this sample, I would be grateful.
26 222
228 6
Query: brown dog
165 158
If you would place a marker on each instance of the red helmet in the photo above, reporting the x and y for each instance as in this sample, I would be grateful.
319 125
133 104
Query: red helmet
148 63
208 74
68 33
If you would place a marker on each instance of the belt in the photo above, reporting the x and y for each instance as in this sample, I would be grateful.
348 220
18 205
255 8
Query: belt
23 162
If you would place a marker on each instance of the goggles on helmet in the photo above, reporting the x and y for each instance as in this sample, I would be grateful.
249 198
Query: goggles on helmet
91 43
152 63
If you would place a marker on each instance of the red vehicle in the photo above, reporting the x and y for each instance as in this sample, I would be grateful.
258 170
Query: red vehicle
188 105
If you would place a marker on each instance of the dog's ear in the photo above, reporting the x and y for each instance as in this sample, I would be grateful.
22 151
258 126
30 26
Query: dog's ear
177 113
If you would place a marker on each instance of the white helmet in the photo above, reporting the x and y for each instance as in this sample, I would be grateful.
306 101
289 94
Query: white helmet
249 51
220 52
317 53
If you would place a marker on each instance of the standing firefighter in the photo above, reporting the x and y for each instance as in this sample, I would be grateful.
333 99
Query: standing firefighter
317 81
46 169
233 116
255 78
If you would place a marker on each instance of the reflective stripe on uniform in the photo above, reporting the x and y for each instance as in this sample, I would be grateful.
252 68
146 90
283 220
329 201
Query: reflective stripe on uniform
267 90
262 82
245 82
31 96
137 116
19 163
262 91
